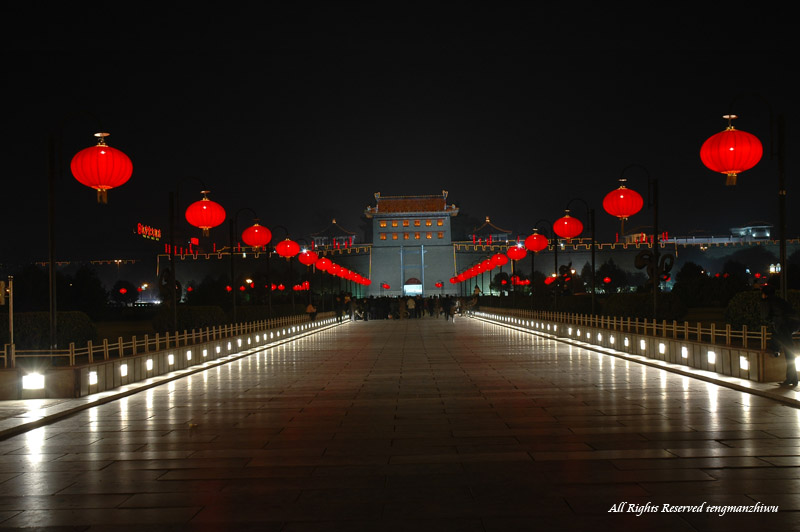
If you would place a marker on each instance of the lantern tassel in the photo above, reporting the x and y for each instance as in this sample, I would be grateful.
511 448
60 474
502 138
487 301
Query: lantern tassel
102 196
206 232
731 180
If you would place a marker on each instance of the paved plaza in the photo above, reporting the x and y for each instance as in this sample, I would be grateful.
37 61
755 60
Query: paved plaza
410 425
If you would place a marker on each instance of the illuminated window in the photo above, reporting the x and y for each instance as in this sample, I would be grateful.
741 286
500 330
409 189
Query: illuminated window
382 223
394 223
428 235
428 223
406 236
440 234
405 223
416 223
394 236
383 236
416 236
440 222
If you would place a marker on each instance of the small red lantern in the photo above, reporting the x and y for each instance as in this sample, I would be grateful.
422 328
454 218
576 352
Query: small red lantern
623 202
205 213
256 236
516 253
101 167
228 288
731 151
287 248
549 280
307 258
323 264
536 242
499 259
567 226
123 291
281 287
606 280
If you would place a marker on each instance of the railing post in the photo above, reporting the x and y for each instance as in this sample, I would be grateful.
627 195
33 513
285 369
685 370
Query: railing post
72 353
675 329
105 348
120 347
13 354
699 332
744 336
763 337
713 333
727 334
90 350
134 345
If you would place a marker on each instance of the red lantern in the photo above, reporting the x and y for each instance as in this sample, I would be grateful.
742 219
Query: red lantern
385 286
101 167
606 280
549 280
256 236
307 258
499 259
205 213
287 248
516 253
623 202
536 242
281 287
323 264
123 291
731 151
567 226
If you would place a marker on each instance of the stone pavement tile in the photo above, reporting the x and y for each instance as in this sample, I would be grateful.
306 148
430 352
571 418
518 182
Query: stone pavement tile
694 463
396 525
106 516
59 501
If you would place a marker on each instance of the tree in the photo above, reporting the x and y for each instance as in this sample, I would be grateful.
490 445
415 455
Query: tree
692 285
611 277
86 293
124 293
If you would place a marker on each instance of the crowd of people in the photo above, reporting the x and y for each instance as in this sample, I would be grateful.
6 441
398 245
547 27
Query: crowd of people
400 307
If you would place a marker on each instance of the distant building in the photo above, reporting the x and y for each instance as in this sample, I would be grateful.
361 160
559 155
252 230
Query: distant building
412 249
488 233
334 236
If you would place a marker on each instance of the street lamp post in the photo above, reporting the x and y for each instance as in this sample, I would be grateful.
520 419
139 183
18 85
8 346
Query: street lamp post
562 227
99 167
730 158
536 243
652 201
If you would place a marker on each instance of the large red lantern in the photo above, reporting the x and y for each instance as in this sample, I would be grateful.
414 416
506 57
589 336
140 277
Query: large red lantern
623 202
536 242
307 258
205 213
567 226
487 265
731 151
287 248
516 253
101 167
256 236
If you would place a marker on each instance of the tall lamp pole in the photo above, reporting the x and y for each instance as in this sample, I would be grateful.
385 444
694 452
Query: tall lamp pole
590 214
733 151
652 201
99 167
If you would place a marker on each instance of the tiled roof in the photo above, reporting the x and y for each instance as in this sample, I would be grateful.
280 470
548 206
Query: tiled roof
333 231
489 228
411 204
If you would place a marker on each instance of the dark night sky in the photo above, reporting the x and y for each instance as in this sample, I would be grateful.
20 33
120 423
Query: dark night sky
303 113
